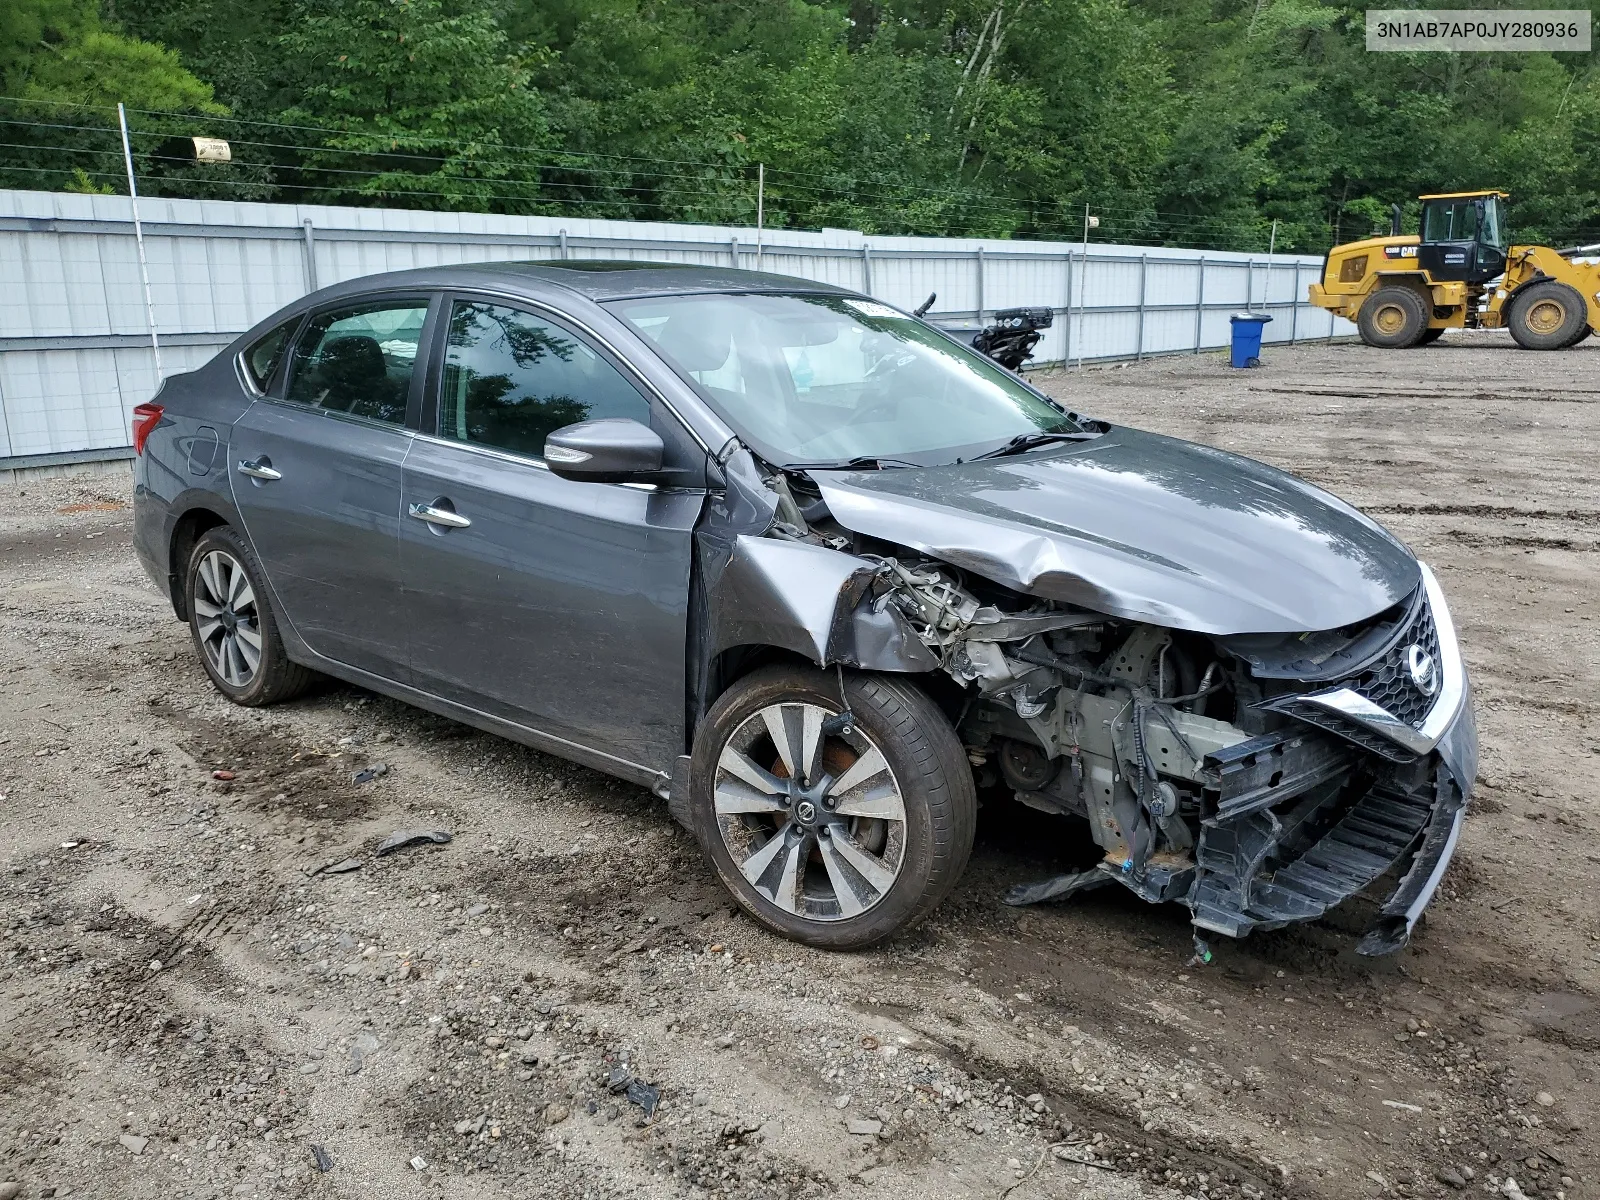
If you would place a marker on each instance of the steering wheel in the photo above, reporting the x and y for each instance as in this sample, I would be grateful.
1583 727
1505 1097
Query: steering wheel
880 400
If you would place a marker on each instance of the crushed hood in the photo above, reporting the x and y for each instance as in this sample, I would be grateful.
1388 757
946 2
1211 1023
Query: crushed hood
1141 526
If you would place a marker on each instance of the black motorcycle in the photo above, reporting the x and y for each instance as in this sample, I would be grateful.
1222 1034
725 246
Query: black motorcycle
1009 339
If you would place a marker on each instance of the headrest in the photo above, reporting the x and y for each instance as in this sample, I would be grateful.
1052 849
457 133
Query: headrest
352 361
694 345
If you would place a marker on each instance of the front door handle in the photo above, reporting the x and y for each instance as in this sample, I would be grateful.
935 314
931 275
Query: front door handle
257 469
435 515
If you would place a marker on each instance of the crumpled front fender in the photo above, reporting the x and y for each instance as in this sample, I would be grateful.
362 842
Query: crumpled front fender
811 600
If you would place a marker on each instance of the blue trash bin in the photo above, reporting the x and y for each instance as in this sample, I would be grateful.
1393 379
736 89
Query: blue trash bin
1245 349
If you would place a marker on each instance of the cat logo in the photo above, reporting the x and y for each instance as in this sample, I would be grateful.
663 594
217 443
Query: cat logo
1399 251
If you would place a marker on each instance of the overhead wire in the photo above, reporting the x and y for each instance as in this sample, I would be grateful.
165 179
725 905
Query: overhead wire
621 184
987 199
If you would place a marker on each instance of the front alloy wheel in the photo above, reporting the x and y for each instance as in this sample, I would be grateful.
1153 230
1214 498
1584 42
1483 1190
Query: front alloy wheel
820 829
833 826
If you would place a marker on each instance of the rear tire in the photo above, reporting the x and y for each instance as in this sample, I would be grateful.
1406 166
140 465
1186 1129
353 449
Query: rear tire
1582 334
233 625
1548 316
1393 318
1429 336
911 823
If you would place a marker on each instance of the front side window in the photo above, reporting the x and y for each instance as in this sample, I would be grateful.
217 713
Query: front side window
359 360
823 380
511 378
1450 221
261 359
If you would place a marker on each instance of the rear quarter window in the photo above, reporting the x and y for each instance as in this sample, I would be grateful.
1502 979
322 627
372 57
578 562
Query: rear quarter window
262 357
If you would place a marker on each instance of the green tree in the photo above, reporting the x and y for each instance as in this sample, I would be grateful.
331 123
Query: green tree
431 106
68 71
1192 122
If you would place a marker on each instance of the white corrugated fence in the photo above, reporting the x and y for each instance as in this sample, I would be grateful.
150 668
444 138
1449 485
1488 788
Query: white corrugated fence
75 353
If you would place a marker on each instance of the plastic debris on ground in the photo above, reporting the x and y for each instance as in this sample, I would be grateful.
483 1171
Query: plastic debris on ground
645 1096
411 837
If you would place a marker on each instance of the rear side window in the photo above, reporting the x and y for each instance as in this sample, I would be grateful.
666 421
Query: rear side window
359 360
261 359
511 378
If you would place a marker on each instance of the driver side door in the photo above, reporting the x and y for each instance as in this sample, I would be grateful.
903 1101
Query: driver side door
559 605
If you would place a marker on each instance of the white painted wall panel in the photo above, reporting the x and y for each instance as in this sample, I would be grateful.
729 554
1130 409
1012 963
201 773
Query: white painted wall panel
69 272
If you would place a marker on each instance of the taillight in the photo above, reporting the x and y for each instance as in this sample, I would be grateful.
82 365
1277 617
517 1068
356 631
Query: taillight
145 418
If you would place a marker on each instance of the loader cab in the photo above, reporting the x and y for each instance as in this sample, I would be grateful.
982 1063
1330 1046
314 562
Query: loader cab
1463 236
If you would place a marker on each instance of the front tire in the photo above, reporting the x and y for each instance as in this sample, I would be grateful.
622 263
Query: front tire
834 837
1393 318
1548 316
233 625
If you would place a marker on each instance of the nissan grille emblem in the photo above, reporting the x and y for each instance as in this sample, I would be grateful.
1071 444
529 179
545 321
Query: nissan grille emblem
1424 672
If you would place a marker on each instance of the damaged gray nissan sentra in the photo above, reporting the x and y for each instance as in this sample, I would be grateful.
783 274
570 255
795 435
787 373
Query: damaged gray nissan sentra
806 566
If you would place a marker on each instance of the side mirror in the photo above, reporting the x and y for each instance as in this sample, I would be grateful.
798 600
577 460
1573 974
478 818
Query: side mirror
610 450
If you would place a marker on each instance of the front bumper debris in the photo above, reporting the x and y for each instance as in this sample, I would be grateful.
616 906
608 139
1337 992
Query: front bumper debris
1294 822
1262 867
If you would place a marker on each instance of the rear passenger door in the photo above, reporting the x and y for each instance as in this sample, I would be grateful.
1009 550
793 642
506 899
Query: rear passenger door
316 476
558 605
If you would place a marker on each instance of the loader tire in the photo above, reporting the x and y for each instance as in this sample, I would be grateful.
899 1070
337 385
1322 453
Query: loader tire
1582 333
1548 316
1393 318
1429 336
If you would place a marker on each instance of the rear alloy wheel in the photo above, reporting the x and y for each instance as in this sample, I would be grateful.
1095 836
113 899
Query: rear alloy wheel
1548 316
1393 318
831 832
233 625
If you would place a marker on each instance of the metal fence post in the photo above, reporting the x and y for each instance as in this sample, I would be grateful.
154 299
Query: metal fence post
1144 271
979 259
311 256
1249 284
1294 304
1199 304
866 268
733 249
563 245
1066 353
138 234
1083 287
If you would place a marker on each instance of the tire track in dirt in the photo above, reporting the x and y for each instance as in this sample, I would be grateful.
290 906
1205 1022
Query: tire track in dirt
1492 511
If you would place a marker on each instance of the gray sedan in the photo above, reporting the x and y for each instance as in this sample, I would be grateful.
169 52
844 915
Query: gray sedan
815 573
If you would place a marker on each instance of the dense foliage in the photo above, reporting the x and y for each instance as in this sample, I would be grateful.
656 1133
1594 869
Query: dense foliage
1193 122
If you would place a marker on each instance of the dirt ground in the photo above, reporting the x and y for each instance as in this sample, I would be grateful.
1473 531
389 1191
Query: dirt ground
186 1010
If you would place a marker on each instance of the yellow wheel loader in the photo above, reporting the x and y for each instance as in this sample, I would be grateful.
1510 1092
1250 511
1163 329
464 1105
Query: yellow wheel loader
1459 274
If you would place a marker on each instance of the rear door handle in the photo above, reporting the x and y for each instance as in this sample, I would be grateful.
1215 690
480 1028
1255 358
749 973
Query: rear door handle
439 516
257 469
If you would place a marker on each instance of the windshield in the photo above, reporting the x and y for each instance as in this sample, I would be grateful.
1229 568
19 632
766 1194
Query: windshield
823 380
1492 234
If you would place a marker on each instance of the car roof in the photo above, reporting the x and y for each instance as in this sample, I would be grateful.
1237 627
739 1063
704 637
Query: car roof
595 279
